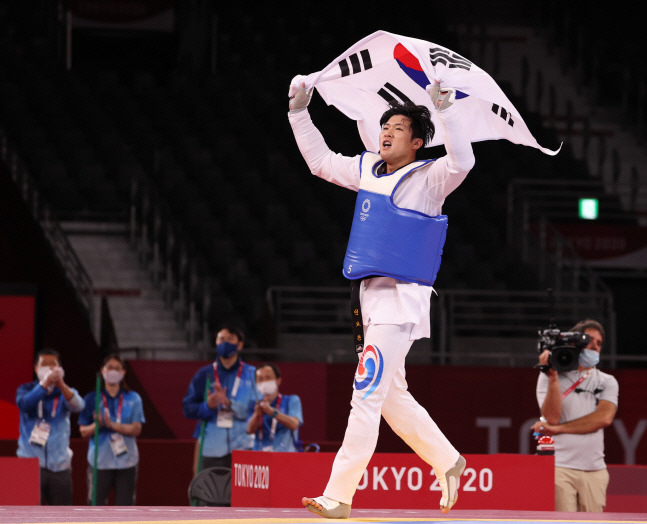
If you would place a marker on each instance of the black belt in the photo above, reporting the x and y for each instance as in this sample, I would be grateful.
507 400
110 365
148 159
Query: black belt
356 314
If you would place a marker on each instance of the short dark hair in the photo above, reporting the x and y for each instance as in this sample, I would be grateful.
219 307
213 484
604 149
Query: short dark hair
48 351
421 124
274 367
114 356
234 330
589 323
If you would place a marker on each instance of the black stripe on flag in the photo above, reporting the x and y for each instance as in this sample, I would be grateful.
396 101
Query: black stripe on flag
454 57
386 95
438 55
392 94
399 93
507 117
344 67
366 58
355 64
354 60
458 61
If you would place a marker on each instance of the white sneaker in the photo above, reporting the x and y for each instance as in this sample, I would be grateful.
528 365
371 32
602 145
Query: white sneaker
326 507
449 483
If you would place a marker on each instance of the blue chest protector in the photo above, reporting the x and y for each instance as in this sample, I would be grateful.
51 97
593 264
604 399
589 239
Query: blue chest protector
386 240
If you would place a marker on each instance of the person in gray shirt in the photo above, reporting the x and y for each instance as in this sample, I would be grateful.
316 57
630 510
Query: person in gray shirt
576 406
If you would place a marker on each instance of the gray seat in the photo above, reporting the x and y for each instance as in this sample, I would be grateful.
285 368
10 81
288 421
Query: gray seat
211 487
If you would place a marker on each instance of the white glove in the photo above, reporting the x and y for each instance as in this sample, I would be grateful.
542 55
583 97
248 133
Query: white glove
441 97
298 94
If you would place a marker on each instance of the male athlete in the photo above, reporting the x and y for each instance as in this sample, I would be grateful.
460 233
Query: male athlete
394 253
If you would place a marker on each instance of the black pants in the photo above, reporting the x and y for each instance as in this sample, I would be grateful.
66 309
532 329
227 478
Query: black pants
212 462
56 487
124 482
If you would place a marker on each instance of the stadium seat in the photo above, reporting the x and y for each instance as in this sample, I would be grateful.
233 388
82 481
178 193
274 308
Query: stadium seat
211 487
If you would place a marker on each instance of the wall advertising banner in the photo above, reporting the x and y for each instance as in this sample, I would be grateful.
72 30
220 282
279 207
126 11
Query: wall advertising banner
604 245
17 331
395 480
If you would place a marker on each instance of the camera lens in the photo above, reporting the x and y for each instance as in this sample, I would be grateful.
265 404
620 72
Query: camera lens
564 358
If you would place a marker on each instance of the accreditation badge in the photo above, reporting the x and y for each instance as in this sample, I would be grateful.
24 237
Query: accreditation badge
118 444
40 433
225 418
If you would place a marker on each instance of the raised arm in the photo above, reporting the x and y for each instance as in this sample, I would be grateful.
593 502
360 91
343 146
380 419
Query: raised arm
324 163
459 160
549 393
72 398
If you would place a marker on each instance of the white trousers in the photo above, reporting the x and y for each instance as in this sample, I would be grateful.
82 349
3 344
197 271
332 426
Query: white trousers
380 389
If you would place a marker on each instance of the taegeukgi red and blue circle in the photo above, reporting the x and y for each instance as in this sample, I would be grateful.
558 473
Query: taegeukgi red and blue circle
369 370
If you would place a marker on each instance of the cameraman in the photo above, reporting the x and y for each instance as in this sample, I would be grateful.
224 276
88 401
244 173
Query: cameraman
576 406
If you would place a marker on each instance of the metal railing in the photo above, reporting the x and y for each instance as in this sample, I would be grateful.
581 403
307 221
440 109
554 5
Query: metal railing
171 264
299 309
505 324
469 327
74 271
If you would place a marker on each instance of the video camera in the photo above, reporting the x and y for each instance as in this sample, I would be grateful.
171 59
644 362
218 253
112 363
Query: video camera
564 348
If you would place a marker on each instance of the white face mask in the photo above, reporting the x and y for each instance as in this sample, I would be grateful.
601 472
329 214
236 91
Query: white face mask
589 358
112 376
42 372
268 387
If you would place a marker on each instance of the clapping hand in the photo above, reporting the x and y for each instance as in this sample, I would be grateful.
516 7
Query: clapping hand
218 397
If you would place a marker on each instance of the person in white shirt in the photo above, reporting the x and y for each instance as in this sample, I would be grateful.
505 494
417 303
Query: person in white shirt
394 253
576 406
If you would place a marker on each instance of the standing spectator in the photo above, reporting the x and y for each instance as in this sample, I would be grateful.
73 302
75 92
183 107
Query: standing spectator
45 406
120 420
224 411
274 418
576 406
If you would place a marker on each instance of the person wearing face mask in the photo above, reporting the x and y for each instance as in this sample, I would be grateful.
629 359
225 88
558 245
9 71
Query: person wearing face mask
121 415
576 406
224 407
45 406
274 418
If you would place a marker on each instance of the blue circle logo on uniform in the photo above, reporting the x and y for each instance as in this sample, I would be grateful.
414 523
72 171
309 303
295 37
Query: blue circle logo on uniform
369 370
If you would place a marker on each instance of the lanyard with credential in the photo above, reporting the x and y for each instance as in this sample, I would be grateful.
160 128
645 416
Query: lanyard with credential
54 406
575 384
216 379
120 406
